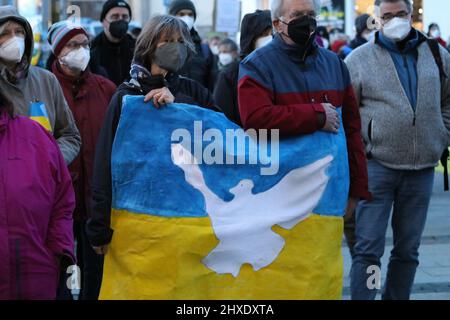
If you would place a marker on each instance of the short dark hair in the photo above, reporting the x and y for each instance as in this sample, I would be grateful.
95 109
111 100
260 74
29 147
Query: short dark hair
152 32
215 38
230 44
407 2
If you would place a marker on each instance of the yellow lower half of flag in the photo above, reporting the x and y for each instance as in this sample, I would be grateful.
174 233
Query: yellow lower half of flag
43 121
160 258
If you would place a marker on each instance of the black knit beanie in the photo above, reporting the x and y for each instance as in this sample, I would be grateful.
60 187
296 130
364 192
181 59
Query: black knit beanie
178 5
110 4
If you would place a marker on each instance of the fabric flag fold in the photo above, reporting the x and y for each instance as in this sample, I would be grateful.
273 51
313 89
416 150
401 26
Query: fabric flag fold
202 210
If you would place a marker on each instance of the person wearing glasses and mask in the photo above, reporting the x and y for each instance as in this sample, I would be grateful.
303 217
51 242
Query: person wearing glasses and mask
113 48
33 91
299 88
161 51
293 85
405 111
88 96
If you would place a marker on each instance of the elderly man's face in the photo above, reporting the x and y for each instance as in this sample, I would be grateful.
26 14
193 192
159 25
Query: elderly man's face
390 10
293 9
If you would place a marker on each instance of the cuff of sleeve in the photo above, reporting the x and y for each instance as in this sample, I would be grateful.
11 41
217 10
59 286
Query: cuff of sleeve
66 257
321 115
360 192
67 260
102 239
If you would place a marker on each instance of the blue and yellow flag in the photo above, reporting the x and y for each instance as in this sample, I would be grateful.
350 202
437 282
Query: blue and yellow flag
198 214
38 113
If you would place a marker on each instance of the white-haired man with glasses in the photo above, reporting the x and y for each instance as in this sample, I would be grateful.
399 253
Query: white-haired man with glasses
293 85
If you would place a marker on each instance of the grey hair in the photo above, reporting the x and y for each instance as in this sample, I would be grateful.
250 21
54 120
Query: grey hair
277 8
408 3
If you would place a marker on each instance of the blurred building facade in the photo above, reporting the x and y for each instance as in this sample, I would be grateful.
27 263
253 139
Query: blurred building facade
335 13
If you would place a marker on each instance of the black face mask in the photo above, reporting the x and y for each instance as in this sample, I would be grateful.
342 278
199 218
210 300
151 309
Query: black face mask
302 30
118 29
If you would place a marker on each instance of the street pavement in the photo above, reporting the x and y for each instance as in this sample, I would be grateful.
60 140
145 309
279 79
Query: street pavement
433 274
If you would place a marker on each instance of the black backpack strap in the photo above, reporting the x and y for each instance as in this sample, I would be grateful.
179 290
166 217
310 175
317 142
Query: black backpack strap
434 47
444 162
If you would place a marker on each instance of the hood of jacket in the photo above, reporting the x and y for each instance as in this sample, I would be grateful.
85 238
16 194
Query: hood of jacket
10 13
253 25
411 42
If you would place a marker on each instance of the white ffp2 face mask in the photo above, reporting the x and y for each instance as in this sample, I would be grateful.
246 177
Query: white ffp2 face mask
189 21
215 50
13 49
77 59
435 33
225 58
397 29
261 42
369 36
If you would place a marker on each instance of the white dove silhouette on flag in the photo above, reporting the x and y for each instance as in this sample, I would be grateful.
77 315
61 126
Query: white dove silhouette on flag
244 224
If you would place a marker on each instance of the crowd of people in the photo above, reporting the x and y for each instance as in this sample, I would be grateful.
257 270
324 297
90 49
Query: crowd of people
388 88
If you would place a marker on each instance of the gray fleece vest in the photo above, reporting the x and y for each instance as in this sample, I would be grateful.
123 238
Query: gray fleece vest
393 133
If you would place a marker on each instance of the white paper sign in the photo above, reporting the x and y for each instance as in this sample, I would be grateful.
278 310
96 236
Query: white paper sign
227 16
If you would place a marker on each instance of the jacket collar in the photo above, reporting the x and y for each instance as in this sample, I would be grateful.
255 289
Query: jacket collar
103 41
296 53
143 80
415 38
4 119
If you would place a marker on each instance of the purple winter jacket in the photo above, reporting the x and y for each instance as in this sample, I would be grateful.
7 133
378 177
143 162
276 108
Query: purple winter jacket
36 205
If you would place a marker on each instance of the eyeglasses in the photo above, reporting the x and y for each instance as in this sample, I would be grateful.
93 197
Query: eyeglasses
389 16
118 17
298 14
75 45
17 31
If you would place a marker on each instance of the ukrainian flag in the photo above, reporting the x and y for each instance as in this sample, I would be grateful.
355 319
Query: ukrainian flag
39 114
212 232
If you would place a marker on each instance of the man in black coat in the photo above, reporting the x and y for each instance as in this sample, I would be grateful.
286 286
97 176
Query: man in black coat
201 66
113 49
256 31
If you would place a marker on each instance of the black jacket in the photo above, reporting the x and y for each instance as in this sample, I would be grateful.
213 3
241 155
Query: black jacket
115 58
225 92
185 91
357 42
200 65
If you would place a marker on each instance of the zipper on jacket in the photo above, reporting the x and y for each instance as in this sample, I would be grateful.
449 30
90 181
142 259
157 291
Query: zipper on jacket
405 64
18 270
307 90
120 63
405 61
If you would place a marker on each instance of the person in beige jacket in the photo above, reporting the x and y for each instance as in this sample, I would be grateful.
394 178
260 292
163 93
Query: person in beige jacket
32 89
